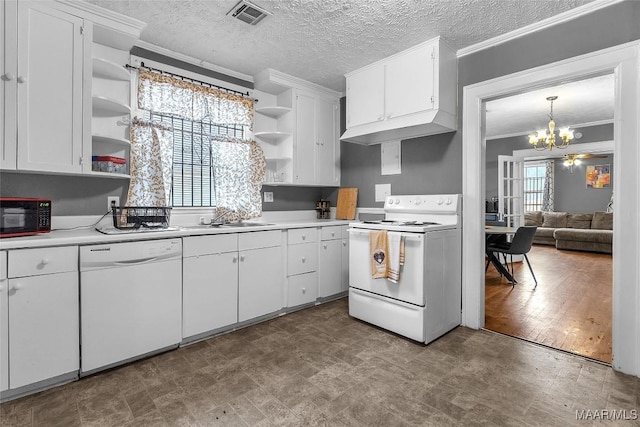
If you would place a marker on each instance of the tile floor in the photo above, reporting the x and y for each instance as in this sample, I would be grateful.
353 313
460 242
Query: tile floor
318 367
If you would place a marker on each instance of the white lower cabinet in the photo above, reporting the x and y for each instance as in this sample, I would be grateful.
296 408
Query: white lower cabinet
334 261
302 266
260 274
43 320
210 283
4 323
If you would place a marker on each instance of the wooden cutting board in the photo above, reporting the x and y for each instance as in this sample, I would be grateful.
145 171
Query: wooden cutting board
347 201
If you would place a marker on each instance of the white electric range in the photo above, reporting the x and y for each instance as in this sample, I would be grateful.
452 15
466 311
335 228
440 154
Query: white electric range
426 301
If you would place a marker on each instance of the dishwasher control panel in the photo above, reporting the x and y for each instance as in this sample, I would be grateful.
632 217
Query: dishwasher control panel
128 253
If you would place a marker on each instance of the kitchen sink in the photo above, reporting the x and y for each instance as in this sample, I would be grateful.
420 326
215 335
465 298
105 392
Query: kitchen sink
246 224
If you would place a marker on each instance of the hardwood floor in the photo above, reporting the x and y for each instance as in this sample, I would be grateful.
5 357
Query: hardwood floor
570 309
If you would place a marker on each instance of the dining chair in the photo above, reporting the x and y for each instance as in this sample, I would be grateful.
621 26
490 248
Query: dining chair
519 245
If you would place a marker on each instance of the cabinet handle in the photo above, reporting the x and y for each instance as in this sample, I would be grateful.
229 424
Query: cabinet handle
45 261
333 234
17 287
8 77
380 118
324 246
234 259
344 243
304 290
304 237
22 79
241 257
303 259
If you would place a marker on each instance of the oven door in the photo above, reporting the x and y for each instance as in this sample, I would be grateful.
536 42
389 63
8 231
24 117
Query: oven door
410 287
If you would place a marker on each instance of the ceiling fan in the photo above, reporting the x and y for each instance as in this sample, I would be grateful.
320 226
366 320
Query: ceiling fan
575 159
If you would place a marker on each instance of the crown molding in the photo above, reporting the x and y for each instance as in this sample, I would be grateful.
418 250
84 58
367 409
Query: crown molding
573 127
560 18
101 12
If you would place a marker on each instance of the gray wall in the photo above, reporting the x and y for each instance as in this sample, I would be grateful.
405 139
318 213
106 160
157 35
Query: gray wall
570 189
441 155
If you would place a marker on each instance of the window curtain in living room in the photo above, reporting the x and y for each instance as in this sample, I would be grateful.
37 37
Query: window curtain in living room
547 195
151 163
239 165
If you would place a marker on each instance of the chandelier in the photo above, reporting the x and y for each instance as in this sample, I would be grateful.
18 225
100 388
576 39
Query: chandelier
546 138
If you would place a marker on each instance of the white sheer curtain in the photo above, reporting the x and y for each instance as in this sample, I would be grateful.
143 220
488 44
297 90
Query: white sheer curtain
547 196
239 165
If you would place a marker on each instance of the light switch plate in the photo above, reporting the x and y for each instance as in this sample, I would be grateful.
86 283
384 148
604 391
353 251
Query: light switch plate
268 196
382 191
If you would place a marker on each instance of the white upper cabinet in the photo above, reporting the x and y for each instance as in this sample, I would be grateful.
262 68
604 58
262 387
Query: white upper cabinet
297 125
407 95
46 105
42 87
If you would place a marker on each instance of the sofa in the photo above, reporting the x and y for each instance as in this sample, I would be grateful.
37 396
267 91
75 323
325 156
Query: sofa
591 232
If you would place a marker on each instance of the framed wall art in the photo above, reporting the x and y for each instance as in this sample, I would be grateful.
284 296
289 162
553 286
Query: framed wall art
598 176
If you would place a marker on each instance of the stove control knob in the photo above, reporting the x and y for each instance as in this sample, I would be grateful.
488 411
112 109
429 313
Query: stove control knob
390 201
440 201
418 201
449 201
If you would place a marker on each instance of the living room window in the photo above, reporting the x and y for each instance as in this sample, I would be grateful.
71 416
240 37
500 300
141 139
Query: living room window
534 186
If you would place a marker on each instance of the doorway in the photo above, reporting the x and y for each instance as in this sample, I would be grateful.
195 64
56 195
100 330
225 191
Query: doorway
570 309
623 62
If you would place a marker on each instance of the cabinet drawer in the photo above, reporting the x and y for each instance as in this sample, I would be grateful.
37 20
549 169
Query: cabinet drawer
301 235
259 239
303 289
332 232
33 262
206 245
302 258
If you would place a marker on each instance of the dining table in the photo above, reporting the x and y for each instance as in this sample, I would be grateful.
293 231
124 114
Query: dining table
492 233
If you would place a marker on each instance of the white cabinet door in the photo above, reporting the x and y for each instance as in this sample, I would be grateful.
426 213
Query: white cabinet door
260 282
4 323
409 82
365 96
328 148
306 139
330 277
303 289
345 264
49 77
43 327
9 71
209 293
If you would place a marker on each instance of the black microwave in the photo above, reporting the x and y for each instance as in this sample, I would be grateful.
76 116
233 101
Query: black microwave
21 216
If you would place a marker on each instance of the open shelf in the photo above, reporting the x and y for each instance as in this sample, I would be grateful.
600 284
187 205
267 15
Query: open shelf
103 106
110 175
273 137
104 139
103 68
273 111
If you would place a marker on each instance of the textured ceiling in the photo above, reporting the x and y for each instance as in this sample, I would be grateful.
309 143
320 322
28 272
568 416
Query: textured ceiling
581 102
321 40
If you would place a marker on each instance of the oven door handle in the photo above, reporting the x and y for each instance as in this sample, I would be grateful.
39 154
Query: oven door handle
407 236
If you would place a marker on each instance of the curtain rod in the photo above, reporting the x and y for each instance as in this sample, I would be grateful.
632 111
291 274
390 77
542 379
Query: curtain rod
157 70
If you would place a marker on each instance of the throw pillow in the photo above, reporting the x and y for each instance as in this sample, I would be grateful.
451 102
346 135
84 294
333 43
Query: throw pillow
533 218
579 220
602 221
554 219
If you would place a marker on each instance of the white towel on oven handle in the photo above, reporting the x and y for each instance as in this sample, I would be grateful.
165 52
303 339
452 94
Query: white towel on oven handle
395 247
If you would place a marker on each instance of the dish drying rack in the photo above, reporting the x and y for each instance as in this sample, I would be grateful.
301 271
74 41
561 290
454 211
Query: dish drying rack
134 217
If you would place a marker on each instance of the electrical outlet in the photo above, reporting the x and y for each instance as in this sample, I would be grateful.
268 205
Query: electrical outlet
112 199
268 196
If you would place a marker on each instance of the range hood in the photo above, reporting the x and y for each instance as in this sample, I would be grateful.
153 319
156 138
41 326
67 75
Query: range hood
415 125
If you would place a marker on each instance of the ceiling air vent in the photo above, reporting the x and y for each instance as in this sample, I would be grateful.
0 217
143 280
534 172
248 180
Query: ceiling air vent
248 12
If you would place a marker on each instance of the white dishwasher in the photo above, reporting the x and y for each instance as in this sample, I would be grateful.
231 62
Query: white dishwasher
130 301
